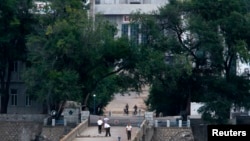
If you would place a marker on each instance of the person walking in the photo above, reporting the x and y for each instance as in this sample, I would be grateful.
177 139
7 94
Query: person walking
126 109
99 124
105 120
128 131
107 128
135 109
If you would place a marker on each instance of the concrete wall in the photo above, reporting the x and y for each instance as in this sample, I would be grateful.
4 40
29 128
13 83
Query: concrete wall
15 127
31 131
23 117
199 129
19 131
172 134
148 132
54 133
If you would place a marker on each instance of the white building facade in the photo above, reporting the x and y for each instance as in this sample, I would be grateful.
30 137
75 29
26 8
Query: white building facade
119 11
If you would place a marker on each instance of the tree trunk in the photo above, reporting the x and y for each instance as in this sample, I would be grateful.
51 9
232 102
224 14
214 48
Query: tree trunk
85 103
60 109
4 102
5 83
5 99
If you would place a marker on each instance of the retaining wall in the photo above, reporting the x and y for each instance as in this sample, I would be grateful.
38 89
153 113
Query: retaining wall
173 134
27 127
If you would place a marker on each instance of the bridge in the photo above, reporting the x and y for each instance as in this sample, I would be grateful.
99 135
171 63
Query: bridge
142 130
88 131
143 123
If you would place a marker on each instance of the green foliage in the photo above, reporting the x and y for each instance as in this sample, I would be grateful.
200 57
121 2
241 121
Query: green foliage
54 52
220 116
212 35
219 96
15 23
82 57
188 53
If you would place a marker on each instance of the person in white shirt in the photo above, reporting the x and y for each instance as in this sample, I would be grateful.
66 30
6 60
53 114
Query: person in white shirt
99 123
128 131
107 128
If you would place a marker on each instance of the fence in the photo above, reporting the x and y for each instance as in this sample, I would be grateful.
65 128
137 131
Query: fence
171 123
135 121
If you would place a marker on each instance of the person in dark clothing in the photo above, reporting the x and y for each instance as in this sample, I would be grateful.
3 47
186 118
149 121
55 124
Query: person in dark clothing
126 109
135 110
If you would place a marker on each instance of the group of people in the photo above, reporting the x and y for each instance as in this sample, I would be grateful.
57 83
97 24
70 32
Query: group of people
126 111
103 123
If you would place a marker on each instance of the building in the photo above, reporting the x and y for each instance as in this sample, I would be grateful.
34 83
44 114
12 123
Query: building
19 101
119 11
41 7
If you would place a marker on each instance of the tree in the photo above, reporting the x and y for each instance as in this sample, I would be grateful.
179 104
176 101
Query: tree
15 24
73 58
230 46
164 67
213 35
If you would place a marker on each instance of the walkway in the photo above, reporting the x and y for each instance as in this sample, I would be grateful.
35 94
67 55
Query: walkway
91 134
116 108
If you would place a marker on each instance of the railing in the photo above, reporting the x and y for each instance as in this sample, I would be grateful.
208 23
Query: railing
145 133
140 132
169 123
135 121
76 131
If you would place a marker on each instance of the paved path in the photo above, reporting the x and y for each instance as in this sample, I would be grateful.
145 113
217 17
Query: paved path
116 108
91 134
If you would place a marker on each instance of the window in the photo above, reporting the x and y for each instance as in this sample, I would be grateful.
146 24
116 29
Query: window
125 30
97 1
13 94
134 33
135 1
27 101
